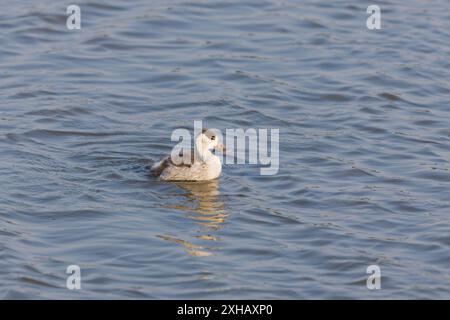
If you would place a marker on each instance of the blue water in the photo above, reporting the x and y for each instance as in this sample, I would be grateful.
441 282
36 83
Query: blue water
364 149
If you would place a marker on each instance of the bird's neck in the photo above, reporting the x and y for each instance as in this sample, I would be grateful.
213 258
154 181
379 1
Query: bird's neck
203 153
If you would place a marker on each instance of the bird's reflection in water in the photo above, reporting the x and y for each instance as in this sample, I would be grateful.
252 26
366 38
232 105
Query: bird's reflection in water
203 203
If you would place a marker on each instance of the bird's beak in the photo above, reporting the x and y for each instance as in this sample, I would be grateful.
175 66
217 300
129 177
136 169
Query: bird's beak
222 148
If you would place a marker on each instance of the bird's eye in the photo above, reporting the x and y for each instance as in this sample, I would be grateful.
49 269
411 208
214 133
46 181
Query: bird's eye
213 138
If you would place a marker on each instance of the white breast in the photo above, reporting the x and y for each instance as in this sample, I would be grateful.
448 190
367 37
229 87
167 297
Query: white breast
214 167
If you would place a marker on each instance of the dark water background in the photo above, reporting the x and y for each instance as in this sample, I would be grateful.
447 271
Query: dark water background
364 149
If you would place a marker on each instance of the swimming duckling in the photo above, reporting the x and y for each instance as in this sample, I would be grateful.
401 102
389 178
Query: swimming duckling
203 164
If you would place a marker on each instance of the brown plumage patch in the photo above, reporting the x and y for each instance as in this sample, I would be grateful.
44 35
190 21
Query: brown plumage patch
158 170
168 162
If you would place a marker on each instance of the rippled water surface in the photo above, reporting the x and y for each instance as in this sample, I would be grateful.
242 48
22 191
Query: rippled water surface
364 149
